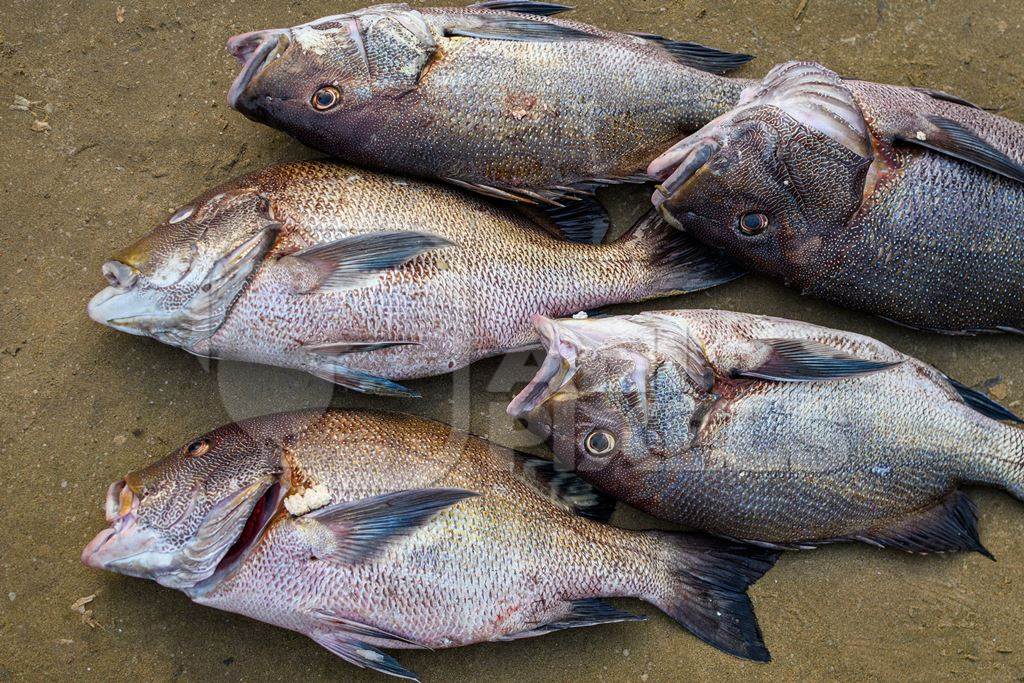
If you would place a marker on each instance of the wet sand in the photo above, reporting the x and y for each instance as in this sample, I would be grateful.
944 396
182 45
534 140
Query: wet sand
139 126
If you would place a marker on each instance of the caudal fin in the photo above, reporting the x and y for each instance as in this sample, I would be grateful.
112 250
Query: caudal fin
706 591
679 263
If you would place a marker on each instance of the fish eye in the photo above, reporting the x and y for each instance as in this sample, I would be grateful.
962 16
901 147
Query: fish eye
325 98
599 442
197 448
753 223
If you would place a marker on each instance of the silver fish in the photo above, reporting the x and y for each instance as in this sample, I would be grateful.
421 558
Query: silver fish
770 430
369 530
363 279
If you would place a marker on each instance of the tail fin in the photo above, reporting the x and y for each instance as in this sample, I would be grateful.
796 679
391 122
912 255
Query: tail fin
680 264
706 591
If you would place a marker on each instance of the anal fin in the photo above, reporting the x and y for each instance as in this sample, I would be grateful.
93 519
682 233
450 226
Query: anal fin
359 653
950 526
590 612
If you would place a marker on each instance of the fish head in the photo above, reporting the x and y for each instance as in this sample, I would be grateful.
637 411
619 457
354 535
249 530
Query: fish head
770 181
613 395
178 282
193 512
323 81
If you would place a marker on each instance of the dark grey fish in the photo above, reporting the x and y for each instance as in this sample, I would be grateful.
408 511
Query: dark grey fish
497 97
896 201
769 430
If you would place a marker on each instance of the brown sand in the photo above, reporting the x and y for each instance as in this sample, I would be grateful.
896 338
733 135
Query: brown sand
139 126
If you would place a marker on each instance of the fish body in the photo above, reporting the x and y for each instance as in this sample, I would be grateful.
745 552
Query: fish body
514 104
364 278
892 200
369 530
769 430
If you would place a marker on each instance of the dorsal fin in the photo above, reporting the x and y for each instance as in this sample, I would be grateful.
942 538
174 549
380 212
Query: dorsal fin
698 56
982 403
816 97
540 9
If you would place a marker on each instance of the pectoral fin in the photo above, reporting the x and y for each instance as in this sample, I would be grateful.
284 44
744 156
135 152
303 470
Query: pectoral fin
522 29
354 532
357 261
802 360
950 526
953 139
540 9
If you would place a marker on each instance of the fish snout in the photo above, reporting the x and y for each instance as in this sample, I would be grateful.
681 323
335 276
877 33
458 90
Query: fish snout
254 51
676 167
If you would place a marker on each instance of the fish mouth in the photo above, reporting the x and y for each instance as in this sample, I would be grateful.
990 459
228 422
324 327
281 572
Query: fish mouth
676 167
554 374
254 51
121 309
118 546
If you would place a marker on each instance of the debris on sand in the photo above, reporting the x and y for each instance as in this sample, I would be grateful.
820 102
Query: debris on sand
79 607
119 14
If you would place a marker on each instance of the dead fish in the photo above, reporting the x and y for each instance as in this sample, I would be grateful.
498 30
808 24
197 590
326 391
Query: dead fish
771 431
897 201
316 522
496 97
363 279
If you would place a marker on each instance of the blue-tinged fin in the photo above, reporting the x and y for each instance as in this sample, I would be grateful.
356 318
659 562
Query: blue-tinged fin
803 360
950 526
982 403
351 627
356 531
563 488
540 9
953 139
582 613
360 381
363 655
357 261
698 56
498 27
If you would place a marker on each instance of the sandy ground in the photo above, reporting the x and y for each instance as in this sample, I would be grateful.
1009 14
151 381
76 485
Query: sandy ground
138 126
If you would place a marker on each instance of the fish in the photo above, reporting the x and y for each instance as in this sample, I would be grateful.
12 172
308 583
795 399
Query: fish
902 202
770 431
499 97
364 279
370 530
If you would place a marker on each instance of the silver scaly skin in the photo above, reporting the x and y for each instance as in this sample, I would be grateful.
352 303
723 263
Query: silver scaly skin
769 430
515 104
363 278
368 530
902 202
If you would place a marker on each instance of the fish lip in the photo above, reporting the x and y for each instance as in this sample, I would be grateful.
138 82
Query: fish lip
676 167
117 544
254 50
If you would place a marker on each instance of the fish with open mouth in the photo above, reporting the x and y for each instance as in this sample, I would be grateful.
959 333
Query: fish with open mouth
770 431
370 531
363 279
896 201
498 97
